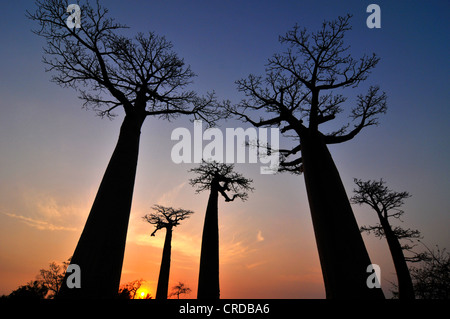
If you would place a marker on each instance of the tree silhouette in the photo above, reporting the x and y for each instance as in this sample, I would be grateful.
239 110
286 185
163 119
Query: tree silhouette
300 92
142 76
52 278
46 285
179 289
165 217
432 279
386 204
33 290
217 178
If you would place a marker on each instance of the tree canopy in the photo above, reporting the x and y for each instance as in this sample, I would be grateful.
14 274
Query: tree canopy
166 217
302 85
223 174
109 69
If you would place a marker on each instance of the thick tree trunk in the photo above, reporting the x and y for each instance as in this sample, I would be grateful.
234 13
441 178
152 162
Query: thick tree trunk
163 280
208 280
100 249
405 285
342 253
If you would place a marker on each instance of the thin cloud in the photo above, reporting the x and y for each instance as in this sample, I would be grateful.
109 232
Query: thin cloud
259 236
181 242
48 207
236 250
251 266
39 224
170 196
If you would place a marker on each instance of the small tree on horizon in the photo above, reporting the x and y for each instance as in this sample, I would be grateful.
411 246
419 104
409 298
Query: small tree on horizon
218 178
46 285
179 289
52 278
168 218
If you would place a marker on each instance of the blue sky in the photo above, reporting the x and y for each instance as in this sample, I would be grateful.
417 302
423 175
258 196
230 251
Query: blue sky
53 153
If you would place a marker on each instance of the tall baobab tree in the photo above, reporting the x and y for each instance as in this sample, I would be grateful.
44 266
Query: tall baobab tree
300 92
218 178
168 218
386 204
141 76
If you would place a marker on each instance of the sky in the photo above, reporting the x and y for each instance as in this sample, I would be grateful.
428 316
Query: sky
54 152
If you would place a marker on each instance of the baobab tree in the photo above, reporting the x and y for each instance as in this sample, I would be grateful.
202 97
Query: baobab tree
141 76
301 92
218 178
386 203
168 218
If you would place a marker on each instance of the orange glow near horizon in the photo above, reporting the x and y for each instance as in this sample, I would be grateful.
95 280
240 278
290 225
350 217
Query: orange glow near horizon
143 292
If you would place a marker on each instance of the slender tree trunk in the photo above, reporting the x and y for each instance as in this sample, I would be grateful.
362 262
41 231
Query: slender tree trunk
100 249
163 280
405 285
208 280
342 253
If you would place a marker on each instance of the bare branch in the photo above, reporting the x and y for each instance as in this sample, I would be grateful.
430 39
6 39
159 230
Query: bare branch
166 217
379 197
297 93
140 74
367 110
383 201
222 176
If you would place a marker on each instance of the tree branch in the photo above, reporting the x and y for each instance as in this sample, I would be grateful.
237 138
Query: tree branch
369 106
142 74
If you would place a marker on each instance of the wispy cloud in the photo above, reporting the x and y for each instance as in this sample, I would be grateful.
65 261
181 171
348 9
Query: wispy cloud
181 242
44 211
259 236
233 251
39 224
171 196
48 207
256 264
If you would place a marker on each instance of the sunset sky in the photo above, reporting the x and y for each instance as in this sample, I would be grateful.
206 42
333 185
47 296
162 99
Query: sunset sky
54 153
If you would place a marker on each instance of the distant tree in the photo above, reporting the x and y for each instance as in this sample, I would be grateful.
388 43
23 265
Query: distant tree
218 178
168 218
52 278
301 94
431 279
142 76
33 290
46 285
386 204
179 289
